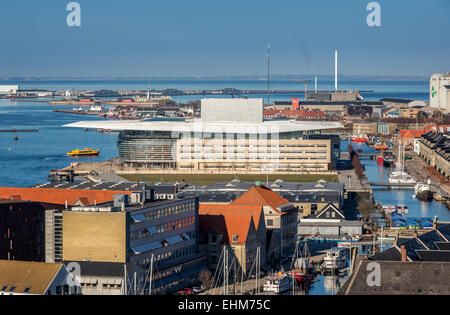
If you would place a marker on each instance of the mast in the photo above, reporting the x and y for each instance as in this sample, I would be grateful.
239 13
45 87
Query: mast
268 74
151 276
125 279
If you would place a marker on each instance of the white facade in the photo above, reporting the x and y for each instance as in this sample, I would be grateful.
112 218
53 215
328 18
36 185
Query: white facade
232 109
440 92
8 89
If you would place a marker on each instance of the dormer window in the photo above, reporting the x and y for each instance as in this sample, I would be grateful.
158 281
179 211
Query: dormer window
235 238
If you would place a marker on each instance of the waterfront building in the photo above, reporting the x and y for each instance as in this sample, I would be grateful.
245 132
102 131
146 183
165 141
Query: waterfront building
255 212
36 278
434 148
234 233
440 92
231 137
330 221
280 218
8 89
414 266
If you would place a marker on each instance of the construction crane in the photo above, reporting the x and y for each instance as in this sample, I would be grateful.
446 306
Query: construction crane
306 85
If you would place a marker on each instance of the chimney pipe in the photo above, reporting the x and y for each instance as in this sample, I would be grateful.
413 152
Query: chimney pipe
335 70
66 204
403 251
315 84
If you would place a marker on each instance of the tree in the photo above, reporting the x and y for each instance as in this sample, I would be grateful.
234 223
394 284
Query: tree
205 278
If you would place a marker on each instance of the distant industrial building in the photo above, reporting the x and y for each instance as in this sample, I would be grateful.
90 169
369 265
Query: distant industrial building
8 89
440 92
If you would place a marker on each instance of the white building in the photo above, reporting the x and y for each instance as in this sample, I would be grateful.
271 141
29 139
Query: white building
231 135
440 92
8 89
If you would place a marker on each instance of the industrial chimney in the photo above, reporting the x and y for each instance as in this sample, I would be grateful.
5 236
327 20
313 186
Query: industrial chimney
335 70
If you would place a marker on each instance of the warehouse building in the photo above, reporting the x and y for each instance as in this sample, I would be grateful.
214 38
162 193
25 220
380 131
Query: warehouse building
440 92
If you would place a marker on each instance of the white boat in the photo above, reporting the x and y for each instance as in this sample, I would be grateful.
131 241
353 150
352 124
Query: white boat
423 191
399 175
277 283
401 208
335 259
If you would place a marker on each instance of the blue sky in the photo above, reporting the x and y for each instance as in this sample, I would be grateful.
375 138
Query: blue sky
214 38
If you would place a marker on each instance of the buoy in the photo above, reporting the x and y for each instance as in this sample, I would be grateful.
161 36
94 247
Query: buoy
16 138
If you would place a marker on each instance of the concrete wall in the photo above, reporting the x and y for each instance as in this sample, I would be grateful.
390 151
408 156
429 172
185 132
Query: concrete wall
229 109
94 236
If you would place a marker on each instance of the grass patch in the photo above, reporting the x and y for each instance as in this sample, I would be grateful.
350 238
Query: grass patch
206 179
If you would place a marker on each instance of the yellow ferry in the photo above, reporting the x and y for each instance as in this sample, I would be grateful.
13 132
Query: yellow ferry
87 151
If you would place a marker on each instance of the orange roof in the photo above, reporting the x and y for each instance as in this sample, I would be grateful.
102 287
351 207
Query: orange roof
232 210
60 196
411 133
261 196
227 225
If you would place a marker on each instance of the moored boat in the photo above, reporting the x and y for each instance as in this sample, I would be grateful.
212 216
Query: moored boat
277 283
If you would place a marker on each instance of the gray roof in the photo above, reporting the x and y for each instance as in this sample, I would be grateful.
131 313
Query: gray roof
103 269
426 247
399 278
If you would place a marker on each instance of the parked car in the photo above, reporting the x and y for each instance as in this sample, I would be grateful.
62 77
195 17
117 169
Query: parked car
185 291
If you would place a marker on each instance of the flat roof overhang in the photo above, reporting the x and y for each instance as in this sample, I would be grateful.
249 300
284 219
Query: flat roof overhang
275 126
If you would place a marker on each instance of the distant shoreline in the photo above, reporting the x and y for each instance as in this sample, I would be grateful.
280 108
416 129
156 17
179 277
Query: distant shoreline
326 77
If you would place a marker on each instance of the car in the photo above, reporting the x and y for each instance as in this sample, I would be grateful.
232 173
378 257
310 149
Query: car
185 291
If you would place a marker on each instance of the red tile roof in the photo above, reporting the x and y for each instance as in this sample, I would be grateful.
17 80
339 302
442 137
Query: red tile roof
227 225
233 210
261 196
60 196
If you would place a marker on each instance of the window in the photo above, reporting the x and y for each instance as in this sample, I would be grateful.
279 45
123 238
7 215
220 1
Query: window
4 288
313 207
235 238
27 289
269 222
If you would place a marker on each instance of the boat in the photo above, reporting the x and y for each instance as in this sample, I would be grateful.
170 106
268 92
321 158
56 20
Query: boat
380 146
301 270
335 259
358 139
83 152
277 283
399 175
380 159
402 209
423 191
388 158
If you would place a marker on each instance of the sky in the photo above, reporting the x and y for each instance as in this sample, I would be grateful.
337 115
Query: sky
178 38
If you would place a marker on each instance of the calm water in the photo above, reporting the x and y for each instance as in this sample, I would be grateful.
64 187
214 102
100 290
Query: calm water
28 161
417 208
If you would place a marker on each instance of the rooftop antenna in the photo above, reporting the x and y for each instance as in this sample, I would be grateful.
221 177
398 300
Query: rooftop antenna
268 74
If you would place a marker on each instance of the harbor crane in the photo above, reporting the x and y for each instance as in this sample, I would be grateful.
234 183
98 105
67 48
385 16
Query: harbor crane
306 85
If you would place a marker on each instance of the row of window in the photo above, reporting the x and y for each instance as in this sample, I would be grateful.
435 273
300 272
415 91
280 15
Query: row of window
160 213
168 256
